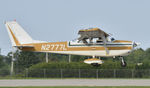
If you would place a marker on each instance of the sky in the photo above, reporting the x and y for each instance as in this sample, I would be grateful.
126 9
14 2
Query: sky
60 20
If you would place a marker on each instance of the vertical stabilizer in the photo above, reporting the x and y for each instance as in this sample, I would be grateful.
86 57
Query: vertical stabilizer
17 34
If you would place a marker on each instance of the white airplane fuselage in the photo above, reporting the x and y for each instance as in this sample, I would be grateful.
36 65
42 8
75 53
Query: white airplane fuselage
23 41
115 48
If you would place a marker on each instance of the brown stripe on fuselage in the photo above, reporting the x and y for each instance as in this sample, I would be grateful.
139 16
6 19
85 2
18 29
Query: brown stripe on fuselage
122 41
38 46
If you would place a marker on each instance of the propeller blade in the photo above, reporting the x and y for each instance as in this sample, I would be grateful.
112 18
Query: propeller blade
135 44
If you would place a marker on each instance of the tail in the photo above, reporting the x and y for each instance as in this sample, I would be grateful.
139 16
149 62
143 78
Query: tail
17 35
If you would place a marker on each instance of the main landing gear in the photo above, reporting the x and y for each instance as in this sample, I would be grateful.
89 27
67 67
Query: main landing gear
123 63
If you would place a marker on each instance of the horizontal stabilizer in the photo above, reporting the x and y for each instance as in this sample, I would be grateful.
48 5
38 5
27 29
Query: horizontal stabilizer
24 46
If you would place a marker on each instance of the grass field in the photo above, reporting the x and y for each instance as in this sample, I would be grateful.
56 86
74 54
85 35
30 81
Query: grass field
82 87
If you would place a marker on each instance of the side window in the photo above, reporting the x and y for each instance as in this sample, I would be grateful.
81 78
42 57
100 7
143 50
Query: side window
99 41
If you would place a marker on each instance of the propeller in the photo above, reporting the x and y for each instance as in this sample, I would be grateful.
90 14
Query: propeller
135 44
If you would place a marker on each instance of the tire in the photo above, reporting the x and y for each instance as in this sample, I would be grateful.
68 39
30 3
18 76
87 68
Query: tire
123 65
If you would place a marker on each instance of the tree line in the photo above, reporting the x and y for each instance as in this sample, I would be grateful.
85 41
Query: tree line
138 59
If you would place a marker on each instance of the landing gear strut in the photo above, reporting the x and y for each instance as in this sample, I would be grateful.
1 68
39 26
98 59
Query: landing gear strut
123 63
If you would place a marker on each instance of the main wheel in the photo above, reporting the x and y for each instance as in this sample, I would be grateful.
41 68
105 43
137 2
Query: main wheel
123 64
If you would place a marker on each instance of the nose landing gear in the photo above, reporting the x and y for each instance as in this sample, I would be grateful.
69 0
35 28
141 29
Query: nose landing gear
123 63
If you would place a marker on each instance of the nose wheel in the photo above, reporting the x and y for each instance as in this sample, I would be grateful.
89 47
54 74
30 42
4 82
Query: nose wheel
123 63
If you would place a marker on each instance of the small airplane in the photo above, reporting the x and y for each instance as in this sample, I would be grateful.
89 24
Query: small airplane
92 42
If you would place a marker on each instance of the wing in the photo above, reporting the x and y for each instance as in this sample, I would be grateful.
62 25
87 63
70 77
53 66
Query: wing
92 33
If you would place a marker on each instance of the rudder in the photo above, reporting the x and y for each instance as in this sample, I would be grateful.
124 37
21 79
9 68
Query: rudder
17 34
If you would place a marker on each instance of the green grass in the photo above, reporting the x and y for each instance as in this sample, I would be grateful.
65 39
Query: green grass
82 87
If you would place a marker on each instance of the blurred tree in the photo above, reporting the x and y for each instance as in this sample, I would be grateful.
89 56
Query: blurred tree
1 61
137 56
147 54
26 59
